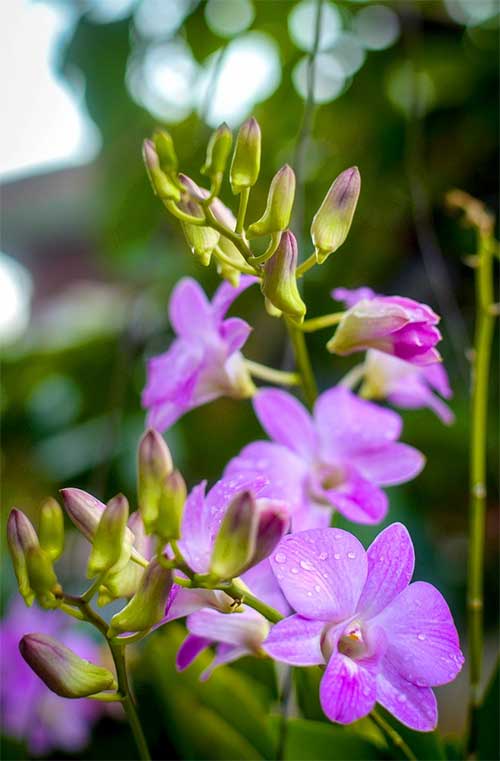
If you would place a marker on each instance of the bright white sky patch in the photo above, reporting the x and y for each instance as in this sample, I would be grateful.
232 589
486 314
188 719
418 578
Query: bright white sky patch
15 297
42 124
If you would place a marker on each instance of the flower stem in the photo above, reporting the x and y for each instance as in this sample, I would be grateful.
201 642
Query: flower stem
393 736
303 362
118 653
318 323
273 376
239 593
242 210
480 382
306 265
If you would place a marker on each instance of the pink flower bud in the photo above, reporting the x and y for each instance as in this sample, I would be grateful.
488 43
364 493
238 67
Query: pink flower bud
332 221
279 282
21 537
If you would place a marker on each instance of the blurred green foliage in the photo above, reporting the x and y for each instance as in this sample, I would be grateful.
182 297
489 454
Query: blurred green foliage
418 118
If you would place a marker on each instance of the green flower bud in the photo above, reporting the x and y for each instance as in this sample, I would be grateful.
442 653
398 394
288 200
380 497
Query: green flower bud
165 150
171 507
123 582
234 544
162 185
21 536
271 309
279 205
154 465
110 548
332 221
51 528
218 150
147 606
201 239
62 670
245 166
279 282
42 577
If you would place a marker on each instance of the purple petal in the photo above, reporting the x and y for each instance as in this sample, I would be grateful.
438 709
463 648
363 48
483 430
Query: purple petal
189 310
189 650
284 470
350 297
321 572
224 654
261 581
235 333
182 602
347 691
173 374
415 395
358 499
437 377
413 706
423 641
394 464
196 543
347 424
391 561
311 515
247 629
226 294
297 641
285 420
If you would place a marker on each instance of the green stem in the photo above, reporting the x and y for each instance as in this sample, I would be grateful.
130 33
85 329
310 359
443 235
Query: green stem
227 233
118 653
90 592
183 216
306 265
303 362
393 736
221 257
325 321
270 374
239 593
242 210
480 383
270 250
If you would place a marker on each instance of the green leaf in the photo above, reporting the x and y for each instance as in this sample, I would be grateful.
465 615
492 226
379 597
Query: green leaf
427 746
317 741
489 740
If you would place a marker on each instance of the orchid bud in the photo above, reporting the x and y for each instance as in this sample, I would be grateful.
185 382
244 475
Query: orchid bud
21 536
279 283
170 507
218 150
62 670
84 510
201 240
279 205
42 577
245 166
147 606
332 221
234 544
51 528
162 185
123 582
110 547
154 465
271 309
165 151
273 522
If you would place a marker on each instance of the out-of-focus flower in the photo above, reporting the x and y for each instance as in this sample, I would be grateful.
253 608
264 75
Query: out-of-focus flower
204 362
392 324
406 385
382 639
30 712
235 635
339 458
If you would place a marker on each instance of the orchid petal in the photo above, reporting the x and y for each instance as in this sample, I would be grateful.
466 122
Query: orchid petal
297 641
394 464
189 650
285 421
413 706
347 690
189 310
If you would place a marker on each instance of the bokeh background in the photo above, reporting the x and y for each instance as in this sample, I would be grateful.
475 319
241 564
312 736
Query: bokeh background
408 91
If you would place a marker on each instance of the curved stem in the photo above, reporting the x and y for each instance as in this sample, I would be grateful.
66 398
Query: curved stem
270 374
227 233
303 362
118 653
306 265
318 323
242 210
239 593
270 250
182 215
480 384
221 257
393 736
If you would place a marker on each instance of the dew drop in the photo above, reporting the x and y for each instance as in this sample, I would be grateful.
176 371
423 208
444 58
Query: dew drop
366 691
421 637
337 556
323 555
317 588
351 555
338 536
306 565
325 575
401 698
295 570
280 557
309 594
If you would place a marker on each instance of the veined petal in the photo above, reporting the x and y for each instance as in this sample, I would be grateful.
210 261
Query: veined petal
189 310
321 572
348 691
285 421
189 650
358 499
247 629
423 641
393 464
173 374
262 582
413 706
391 561
296 640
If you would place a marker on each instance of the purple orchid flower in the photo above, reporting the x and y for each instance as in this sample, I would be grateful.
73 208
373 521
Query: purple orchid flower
382 639
406 385
204 361
338 458
236 635
201 521
392 324
31 713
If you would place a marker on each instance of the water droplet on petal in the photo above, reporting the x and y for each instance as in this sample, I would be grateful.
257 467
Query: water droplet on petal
421 637
337 556
401 698
351 555
305 564
295 570
309 594
317 588
280 557
323 555
337 536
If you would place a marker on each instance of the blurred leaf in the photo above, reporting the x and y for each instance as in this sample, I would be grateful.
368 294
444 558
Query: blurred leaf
489 738
318 741
427 746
